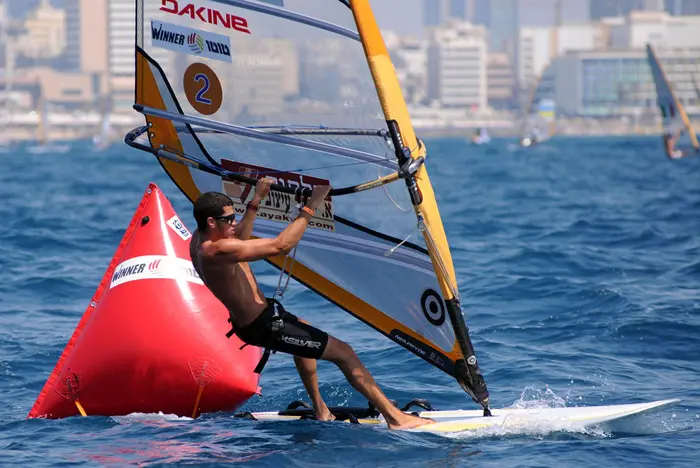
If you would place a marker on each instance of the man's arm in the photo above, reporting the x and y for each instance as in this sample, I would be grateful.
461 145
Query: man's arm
257 249
244 229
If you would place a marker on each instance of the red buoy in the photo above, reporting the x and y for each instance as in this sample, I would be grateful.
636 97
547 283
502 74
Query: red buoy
153 338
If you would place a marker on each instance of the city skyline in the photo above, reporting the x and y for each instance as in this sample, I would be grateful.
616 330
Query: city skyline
406 16
457 65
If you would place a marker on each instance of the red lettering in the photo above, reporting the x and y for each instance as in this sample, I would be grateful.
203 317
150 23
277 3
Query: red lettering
240 24
169 10
212 16
188 10
225 20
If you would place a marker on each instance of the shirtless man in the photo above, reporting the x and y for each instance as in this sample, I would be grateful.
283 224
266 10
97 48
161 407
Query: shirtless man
221 249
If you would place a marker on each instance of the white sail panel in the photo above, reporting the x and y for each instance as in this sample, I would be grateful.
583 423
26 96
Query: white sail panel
297 97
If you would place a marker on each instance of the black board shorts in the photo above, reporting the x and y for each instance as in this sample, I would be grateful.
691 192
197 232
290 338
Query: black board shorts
278 330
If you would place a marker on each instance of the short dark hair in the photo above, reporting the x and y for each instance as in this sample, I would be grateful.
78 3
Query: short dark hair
209 204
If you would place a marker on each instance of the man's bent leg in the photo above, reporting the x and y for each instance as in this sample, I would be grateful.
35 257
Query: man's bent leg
307 371
342 355
301 339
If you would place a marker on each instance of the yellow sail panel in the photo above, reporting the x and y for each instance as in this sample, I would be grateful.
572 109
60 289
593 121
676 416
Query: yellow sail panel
395 110
670 106
161 131
394 107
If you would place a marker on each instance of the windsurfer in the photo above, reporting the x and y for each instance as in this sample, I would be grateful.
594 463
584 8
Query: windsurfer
221 249
669 145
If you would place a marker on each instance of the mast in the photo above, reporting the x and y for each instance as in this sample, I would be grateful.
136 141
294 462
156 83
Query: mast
411 154
41 114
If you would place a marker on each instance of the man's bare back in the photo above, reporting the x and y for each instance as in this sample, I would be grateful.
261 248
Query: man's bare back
232 283
220 254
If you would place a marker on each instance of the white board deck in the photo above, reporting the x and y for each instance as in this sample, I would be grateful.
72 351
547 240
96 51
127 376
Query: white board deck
471 420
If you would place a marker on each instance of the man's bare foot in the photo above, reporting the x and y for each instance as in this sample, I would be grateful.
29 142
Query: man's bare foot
324 415
409 422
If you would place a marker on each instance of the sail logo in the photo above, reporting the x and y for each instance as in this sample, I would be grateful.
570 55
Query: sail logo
176 225
154 267
277 206
196 43
191 41
205 15
433 307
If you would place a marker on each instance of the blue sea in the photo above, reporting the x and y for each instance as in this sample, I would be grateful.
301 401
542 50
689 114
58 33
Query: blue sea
579 268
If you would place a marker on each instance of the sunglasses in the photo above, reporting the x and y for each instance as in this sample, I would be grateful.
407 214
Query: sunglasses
228 219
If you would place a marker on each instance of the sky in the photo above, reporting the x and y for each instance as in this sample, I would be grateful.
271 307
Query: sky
406 16
401 16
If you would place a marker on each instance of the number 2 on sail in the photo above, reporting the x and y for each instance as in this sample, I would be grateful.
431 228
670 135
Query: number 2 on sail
201 77
202 88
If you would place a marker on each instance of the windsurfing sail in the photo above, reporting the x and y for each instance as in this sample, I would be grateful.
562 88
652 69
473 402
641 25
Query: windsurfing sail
673 115
538 119
481 136
305 91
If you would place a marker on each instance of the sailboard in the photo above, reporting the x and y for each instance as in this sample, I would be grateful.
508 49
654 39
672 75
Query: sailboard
305 91
513 420
675 120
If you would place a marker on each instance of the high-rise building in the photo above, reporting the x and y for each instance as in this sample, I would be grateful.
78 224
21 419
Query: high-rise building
656 28
122 32
605 8
538 47
438 12
457 66
502 19
504 23
45 35
682 7
433 12
87 46
461 9
619 82
501 82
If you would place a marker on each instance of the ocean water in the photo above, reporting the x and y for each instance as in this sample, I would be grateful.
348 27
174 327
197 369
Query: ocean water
579 267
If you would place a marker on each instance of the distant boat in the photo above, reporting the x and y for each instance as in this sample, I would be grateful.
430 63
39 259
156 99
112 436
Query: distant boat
481 137
678 134
107 136
44 146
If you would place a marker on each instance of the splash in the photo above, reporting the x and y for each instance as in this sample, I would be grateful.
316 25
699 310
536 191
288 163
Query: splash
558 425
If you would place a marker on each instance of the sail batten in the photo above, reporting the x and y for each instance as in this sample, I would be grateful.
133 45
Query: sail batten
293 89
272 137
